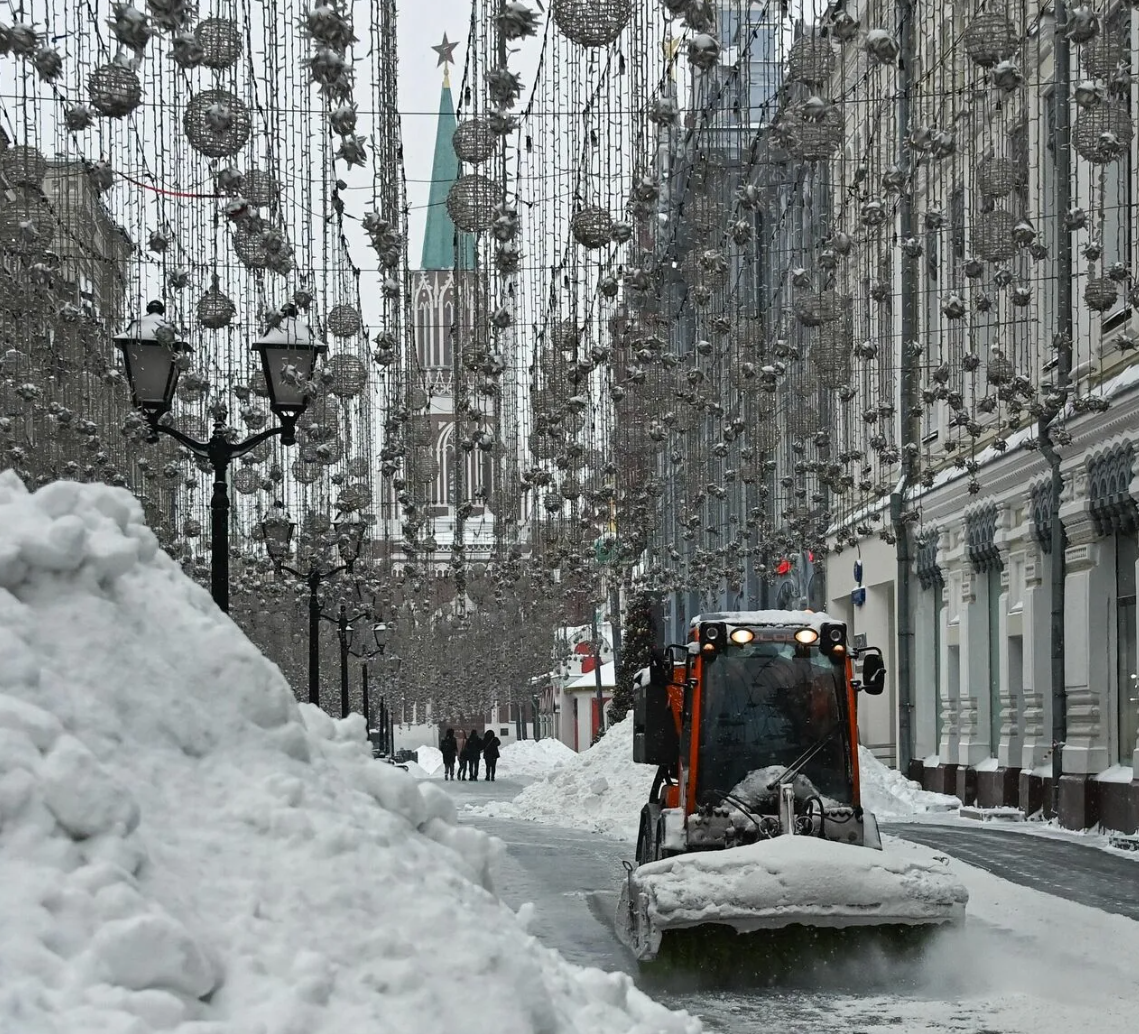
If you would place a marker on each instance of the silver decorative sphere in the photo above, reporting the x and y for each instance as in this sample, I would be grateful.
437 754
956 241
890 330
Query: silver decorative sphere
215 309
114 91
343 321
246 481
1103 134
992 236
474 141
997 177
591 23
417 398
249 243
591 227
815 309
26 223
471 202
810 60
1100 293
349 375
990 38
217 123
305 473
220 40
259 188
811 139
23 166
1104 54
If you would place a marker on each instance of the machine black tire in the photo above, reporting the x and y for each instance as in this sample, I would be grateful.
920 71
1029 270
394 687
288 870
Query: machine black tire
648 848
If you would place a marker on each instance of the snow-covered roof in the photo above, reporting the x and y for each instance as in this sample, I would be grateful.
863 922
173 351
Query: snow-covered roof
589 679
768 618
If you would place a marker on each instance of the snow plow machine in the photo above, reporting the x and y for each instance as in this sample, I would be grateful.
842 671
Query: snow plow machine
754 824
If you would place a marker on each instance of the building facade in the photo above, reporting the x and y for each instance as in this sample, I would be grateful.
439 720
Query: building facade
973 305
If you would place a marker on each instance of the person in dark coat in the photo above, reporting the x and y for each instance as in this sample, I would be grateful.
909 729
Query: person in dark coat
490 752
464 756
474 752
449 747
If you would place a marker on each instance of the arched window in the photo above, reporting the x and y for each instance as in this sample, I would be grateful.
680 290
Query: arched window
423 330
442 490
448 310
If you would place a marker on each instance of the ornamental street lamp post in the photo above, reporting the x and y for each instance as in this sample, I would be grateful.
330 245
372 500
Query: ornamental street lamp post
380 634
153 356
277 532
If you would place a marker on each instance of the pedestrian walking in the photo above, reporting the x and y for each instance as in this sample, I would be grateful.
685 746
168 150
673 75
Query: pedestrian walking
474 753
461 740
449 747
490 752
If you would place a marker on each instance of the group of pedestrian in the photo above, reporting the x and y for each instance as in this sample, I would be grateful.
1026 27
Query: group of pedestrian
469 750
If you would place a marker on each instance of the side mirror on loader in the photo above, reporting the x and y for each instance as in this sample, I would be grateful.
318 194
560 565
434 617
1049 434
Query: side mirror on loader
873 674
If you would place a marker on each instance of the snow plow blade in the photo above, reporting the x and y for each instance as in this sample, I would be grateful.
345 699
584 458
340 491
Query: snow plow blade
810 889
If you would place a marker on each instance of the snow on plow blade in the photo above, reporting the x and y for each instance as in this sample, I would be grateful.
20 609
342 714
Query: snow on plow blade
789 881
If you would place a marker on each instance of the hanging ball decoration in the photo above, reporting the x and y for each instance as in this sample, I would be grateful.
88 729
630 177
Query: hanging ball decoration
474 141
471 202
220 40
245 481
217 123
417 398
1103 134
343 321
993 236
26 223
215 309
811 139
114 90
997 177
1100 293
591 23
811 60
990 37
591 227
305 473
1104 54
349 375
22 167
249 244
259 188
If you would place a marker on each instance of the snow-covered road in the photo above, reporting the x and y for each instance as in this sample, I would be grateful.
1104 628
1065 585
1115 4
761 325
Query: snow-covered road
1002 974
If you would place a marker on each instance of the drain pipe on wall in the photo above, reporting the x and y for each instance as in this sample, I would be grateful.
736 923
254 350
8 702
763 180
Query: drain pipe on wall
1062 156
910 416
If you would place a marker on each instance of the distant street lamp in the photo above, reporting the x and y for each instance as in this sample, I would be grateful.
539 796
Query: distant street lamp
365 651
277 532
153 358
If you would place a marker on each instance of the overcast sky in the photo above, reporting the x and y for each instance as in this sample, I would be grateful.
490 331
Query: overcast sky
421 26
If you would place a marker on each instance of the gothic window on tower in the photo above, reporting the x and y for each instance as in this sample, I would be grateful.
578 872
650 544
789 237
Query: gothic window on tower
424 330
448 328
443 489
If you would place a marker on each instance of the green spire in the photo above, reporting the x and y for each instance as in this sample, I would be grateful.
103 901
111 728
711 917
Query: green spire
439 235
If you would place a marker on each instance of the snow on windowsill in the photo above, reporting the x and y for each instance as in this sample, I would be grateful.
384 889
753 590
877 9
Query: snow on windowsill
988 765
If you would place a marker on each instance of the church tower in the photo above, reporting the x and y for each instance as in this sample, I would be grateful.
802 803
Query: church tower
443 298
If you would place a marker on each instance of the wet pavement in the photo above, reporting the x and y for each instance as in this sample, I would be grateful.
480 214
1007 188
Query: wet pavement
976 980
1067 870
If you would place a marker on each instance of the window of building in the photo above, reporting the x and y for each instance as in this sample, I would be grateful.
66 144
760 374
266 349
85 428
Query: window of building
1126 666
994 608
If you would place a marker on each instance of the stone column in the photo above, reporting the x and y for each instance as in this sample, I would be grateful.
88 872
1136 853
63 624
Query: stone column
949 745
1036 695
1088 588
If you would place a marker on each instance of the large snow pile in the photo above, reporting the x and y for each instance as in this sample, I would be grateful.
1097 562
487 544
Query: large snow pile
601 789
533 759
893 797
184 849
789 880
430 760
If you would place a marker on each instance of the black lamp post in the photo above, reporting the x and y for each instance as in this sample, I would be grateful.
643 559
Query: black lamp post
277 531
365 653
152 354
